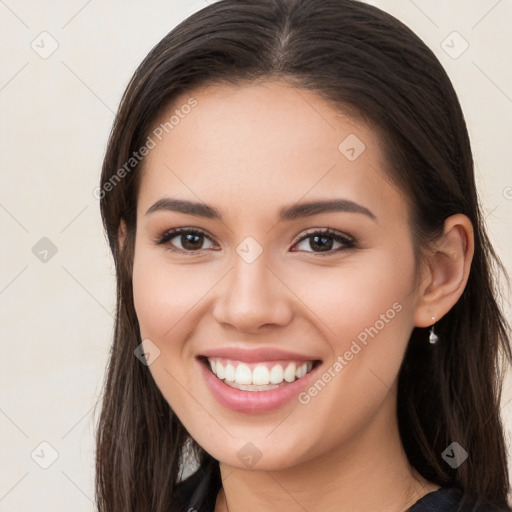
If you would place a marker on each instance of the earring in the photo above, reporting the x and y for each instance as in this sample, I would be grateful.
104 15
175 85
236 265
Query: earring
433 338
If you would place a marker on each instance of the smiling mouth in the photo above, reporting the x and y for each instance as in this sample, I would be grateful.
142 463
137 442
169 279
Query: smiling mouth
257 376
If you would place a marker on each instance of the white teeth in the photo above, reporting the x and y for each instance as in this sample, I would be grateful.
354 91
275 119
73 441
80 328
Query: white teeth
230 372
251 387
276 374
261 375
289 373
303 369
243 374
242 377
219 371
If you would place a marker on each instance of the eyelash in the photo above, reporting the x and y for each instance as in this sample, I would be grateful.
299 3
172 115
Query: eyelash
347 241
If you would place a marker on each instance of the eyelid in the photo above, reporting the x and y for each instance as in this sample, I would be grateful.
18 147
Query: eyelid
169 234
324 231
348 241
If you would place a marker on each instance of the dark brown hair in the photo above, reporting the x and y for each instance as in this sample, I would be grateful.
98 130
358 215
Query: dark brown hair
366 63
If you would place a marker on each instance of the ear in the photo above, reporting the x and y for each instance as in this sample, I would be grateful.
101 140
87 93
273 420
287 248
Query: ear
121 234
447 271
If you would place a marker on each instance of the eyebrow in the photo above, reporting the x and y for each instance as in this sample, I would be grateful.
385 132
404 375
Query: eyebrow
287 213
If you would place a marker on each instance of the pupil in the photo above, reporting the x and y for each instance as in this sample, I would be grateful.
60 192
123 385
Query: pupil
322 245
318 241
189 238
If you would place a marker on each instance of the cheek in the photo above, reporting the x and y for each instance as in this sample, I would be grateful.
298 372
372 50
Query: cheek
164 294
369 290
367 317
382 313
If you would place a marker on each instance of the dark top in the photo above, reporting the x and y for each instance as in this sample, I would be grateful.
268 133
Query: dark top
198 493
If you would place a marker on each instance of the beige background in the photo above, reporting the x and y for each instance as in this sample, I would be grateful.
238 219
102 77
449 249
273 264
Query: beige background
56 113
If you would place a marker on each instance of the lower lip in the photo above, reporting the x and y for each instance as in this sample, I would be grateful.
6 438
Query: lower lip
254 401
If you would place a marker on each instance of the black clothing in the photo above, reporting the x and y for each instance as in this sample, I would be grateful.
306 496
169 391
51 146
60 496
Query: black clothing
198 493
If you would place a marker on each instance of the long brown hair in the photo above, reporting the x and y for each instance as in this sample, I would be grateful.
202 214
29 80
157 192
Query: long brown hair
367 63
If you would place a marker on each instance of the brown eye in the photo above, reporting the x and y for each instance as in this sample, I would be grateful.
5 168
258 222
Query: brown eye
322 241
183 240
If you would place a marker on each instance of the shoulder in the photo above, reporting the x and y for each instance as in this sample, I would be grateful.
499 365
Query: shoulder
452 499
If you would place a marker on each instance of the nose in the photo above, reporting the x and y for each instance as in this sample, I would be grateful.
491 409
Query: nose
253 296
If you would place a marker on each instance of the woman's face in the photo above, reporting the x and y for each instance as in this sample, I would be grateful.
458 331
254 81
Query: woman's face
259 290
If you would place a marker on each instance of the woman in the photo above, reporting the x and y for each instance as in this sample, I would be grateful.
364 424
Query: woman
306 301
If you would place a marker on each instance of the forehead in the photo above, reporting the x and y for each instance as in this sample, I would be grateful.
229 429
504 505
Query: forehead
263 145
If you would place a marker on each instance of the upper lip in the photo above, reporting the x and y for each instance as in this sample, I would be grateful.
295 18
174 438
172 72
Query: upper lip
258 354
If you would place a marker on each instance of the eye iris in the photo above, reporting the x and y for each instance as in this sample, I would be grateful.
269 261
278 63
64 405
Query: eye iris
192 241
322 245
190 238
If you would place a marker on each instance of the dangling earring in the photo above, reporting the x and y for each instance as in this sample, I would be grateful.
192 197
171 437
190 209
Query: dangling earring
433 338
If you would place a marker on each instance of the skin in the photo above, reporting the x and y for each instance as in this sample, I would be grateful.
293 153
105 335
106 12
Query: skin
249 151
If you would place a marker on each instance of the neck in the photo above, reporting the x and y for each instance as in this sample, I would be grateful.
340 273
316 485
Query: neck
368 472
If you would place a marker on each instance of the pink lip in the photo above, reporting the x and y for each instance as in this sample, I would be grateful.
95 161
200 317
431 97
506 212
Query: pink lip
255 401
259 354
